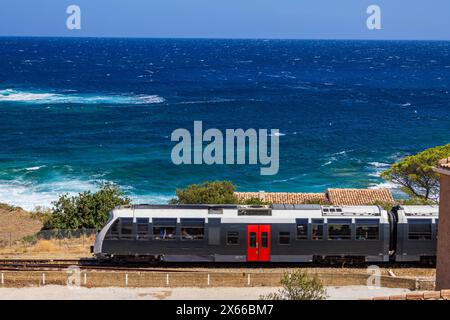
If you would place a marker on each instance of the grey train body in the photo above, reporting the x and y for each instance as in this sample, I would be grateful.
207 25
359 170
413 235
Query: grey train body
277 233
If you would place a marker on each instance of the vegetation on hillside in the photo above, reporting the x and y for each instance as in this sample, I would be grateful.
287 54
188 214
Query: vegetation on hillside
299 285
415 174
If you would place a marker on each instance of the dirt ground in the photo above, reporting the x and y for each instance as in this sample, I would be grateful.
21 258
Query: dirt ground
53 292
16 223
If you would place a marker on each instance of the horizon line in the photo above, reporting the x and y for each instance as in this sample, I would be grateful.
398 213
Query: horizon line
219 38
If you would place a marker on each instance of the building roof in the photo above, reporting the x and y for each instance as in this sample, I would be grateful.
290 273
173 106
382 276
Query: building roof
347 197
283 197
356 197
445 163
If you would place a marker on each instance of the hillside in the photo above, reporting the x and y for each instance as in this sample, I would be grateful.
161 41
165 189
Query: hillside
16 223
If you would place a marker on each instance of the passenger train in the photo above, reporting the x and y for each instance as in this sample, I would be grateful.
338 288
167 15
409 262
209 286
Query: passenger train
275 233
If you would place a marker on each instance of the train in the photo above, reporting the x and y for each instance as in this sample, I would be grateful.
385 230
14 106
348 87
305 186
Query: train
268 233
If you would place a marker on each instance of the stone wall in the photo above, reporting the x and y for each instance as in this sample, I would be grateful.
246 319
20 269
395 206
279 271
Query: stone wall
443 251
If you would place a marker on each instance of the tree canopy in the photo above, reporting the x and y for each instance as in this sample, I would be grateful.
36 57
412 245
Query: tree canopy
216 192
415 173
85 210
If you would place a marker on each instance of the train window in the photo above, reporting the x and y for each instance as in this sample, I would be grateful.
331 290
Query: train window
264 240
113 233
164 228
126 230
367 229
339 229
284 238
233 237
419 229
192 229
302 229
252 240
317 229
142 228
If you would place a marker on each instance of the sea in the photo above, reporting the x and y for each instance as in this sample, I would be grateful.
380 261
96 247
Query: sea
78 112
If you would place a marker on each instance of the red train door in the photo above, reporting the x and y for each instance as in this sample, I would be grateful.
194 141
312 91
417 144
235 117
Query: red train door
258 243
264 236
252 243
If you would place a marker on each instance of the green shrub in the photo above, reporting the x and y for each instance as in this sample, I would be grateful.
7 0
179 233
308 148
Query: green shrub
254 201
216 192
299 285
85 210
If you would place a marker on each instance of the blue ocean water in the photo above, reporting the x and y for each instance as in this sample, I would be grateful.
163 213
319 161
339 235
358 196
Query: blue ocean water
76 112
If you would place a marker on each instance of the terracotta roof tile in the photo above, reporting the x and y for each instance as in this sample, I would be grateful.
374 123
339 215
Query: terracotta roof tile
356 197
283 197
350 197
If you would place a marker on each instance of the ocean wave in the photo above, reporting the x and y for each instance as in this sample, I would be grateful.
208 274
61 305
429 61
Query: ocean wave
385 185
10 95
151 199
379 164
34 168
342 153
218 100
377 168
29 195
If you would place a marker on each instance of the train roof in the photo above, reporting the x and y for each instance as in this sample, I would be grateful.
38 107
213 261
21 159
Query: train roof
420 210
270 212
327 210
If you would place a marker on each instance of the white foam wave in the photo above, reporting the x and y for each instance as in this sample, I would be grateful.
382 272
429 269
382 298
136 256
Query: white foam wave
29 196
34 168
384 185
10 95
218 100
379 164
151 199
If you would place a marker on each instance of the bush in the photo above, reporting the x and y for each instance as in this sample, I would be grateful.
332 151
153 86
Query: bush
216 192
254 201
43 214
299 285
86 210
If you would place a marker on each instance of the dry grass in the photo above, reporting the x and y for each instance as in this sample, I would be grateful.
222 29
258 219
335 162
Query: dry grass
16 223
45 246
69 248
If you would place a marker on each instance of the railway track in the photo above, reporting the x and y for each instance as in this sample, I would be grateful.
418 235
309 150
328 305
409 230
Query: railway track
93 264
87 264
